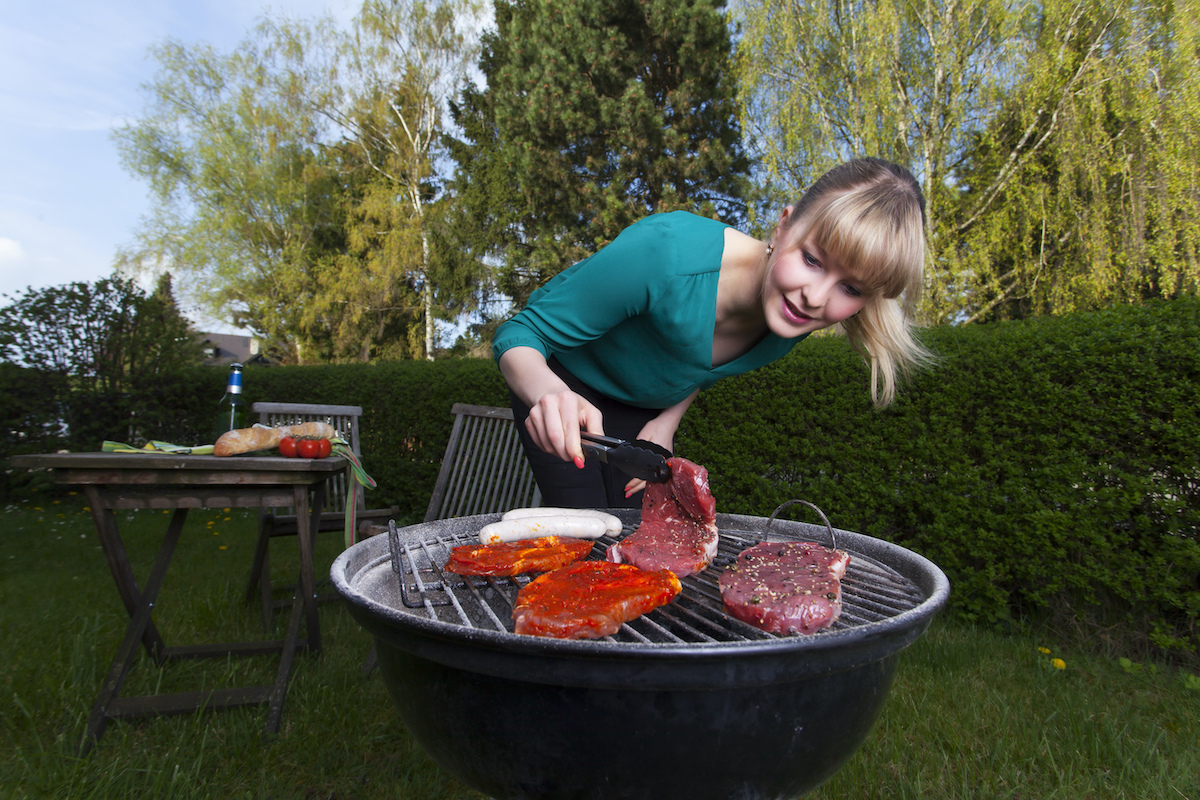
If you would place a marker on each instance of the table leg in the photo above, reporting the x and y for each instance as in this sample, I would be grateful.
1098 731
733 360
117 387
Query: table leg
279 691
140 623
118 564
308 523
304 603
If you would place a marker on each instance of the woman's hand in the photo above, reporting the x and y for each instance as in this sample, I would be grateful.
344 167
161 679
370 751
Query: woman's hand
556 414
555 421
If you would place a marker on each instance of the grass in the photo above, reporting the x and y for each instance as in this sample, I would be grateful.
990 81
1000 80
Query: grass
972 714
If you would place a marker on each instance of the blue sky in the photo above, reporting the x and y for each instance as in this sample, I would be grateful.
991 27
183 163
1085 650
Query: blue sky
70 73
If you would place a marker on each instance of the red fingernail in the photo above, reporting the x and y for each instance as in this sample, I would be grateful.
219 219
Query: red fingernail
579 461
628 495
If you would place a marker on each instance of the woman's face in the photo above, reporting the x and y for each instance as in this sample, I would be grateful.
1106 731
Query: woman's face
806 289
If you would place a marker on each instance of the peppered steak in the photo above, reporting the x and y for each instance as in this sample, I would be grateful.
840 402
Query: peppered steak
678 530
785 587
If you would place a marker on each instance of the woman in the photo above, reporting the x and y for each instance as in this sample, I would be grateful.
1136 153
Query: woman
622 342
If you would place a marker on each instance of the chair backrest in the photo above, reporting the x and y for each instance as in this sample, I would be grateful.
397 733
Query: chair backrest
484 469
344 420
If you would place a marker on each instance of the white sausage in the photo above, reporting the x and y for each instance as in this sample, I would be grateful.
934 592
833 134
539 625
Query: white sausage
613 525
512 530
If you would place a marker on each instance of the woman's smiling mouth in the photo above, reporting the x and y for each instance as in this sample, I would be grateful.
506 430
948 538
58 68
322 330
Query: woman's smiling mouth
793 314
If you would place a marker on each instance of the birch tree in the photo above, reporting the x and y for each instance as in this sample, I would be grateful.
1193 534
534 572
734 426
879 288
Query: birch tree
397 70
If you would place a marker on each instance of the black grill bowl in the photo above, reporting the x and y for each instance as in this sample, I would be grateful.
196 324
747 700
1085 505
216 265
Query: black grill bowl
633 716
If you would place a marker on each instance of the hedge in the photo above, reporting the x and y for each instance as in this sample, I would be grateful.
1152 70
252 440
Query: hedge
1049 461
1043 464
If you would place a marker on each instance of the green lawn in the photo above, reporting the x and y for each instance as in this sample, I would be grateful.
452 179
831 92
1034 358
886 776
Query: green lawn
973 714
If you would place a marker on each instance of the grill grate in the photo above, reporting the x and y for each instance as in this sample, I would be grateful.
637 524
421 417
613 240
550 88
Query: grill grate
871 592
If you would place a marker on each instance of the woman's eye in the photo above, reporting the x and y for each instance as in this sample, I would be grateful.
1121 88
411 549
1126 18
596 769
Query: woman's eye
810 259
853 291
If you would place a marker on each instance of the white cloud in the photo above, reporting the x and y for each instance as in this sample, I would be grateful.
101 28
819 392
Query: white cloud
10 251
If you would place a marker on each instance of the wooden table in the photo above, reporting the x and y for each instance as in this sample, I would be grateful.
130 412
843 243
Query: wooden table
142 481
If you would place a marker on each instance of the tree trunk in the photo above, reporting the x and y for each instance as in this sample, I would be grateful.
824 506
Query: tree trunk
428 297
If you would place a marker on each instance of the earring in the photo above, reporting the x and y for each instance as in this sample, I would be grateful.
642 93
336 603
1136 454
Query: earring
770 249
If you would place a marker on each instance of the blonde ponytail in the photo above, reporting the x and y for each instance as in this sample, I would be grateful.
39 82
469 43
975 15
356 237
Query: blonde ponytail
884 334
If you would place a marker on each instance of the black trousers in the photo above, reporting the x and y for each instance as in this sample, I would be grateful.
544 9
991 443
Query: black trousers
597 485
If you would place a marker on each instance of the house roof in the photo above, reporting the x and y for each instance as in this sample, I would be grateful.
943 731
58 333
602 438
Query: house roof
226 348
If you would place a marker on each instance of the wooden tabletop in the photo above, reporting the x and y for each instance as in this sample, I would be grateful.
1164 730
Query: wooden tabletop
165 461
136 469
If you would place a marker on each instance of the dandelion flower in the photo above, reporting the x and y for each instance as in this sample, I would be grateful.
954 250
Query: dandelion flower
222 547
1044 651
1058 663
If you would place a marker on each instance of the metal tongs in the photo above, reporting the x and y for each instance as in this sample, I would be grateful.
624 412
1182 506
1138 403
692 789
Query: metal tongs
637 459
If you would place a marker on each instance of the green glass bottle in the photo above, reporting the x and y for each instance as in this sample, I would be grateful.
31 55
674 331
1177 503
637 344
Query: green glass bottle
232 408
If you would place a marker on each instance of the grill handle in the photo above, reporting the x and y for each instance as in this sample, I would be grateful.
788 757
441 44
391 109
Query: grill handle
394 545
825 519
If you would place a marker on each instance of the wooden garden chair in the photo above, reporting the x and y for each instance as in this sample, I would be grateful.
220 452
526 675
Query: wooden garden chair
484 471
274 522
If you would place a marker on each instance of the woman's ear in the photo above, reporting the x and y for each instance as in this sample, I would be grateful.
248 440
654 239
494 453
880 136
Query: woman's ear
785 219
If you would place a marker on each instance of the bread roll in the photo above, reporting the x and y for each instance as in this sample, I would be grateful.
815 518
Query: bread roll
260 437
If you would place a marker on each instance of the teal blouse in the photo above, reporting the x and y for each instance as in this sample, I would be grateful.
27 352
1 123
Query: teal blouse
635 320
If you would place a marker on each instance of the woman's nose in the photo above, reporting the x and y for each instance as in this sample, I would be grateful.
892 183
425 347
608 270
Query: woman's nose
816 293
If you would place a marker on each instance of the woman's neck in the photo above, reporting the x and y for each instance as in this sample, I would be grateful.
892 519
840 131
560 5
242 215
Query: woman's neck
740 321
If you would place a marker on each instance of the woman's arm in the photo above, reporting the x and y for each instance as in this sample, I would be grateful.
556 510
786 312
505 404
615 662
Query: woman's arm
556 414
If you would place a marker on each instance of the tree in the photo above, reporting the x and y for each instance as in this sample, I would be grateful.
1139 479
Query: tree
244 200
1055 140
291 176
599 112
908 81
1107 210
395 73
90 344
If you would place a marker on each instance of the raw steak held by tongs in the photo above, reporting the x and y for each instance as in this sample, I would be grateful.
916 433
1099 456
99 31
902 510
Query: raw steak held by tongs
785 587
679 524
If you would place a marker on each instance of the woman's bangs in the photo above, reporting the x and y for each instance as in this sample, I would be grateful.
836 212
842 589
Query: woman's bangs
869 243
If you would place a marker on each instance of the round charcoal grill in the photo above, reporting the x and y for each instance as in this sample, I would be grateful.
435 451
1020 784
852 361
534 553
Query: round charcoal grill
684 702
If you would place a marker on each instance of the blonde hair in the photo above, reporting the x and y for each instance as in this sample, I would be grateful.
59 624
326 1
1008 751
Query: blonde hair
870 215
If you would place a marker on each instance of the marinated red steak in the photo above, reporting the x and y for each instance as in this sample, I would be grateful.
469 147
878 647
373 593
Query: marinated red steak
785 587
515 558
590 599
679 524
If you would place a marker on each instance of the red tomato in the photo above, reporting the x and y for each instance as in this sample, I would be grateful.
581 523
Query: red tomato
308 448
287 447
326 448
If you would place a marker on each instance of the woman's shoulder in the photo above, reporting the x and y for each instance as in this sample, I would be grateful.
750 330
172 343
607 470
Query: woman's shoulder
678 221
678 240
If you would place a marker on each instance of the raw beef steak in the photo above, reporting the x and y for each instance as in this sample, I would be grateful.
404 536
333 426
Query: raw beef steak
785 587
590 599
679 524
